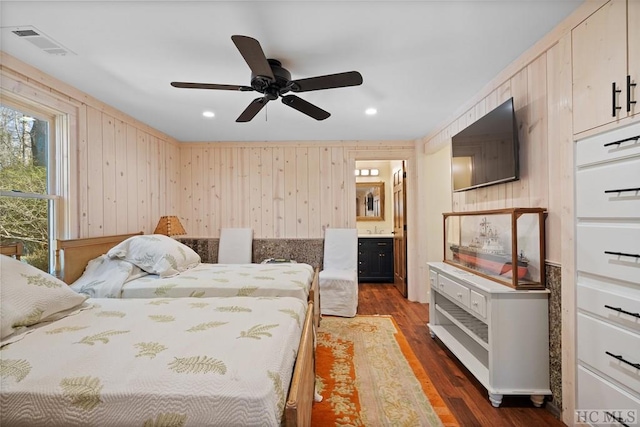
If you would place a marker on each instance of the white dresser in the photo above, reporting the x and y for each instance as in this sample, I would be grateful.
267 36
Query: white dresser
500 334
608 278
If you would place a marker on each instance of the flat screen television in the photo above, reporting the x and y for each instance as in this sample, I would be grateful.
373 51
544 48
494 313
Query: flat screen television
486 152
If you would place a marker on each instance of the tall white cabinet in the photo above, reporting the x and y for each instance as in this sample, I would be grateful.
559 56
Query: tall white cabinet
500 334
608 277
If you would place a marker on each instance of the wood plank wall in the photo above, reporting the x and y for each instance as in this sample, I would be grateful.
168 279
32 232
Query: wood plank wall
132 177
292 190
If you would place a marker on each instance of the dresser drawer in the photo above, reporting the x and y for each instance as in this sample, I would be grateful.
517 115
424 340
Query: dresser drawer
478 303
594 393
599 342
597 194
433 279
454 290
599 148
593 239
614 303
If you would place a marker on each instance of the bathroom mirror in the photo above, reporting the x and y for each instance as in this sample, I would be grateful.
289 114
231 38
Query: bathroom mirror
370 201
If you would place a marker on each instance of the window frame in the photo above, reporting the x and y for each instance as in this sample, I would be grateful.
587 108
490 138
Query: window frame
56 164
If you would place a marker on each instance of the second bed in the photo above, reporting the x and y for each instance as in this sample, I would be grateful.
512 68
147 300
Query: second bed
83 263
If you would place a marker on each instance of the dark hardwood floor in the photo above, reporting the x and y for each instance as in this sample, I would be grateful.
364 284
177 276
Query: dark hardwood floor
467 399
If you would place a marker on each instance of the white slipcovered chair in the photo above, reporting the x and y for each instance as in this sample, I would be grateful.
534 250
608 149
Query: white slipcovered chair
235 246
339 276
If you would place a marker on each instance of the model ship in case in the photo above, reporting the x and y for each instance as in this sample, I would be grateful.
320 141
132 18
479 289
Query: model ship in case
487 252
490 243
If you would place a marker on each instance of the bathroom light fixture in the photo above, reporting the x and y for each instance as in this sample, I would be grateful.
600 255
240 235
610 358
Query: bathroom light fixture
371 111
208 114
366 172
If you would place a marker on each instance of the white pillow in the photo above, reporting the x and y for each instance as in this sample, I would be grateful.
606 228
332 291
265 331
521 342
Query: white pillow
104 277
30 296
156 254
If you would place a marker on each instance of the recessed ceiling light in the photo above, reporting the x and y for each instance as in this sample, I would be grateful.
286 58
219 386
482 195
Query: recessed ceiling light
208 114
370 111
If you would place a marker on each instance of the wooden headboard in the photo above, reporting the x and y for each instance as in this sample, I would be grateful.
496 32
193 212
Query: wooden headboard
73 255
12 249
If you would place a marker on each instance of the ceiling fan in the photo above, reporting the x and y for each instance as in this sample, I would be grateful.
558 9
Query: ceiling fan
270 79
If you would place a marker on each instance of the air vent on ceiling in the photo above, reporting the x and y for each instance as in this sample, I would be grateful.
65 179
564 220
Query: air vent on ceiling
25 33
40 40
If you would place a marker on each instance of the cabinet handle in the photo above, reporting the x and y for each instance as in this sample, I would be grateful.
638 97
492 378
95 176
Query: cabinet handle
629 86
623 190
622 254
614 107
619 420
623 360
620 310
633 138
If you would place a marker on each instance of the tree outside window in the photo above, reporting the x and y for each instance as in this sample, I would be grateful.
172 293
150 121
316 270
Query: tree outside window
26 205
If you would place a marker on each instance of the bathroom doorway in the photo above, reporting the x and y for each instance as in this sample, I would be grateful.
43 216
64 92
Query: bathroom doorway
389 178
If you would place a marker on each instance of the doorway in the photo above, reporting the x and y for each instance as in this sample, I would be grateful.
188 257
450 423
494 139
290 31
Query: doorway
389 176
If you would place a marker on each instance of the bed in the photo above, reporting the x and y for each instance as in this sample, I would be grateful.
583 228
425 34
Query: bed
13 249
161 361
202 280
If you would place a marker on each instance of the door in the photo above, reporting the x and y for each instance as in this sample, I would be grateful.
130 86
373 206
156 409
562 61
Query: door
399 231
633 50
599 67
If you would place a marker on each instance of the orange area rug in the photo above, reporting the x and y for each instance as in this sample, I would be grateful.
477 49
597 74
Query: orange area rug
368 375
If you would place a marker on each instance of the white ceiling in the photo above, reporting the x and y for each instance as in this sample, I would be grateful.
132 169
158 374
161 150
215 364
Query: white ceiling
420 60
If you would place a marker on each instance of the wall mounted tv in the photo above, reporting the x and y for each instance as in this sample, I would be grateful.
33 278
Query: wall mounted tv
486 152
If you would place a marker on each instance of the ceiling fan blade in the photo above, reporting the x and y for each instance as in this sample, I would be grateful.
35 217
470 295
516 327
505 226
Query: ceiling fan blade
330 81
253 109
252 53
187 85
305 107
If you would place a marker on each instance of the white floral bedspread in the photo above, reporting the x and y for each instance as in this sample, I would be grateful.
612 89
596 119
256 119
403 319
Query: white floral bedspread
214 280
184 361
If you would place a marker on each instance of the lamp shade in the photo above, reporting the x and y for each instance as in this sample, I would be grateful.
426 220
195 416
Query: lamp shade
169 226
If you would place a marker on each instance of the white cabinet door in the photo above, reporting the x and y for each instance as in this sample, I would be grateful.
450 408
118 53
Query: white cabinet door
599 47
633 20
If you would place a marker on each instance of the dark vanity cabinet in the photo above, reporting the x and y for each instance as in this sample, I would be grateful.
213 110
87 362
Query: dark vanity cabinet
375 259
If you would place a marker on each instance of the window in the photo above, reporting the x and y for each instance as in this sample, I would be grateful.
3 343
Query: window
27 185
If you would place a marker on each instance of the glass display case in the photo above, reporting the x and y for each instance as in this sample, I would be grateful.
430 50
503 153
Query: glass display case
490 243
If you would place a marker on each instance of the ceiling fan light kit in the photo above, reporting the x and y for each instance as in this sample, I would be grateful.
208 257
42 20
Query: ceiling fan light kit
269 78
